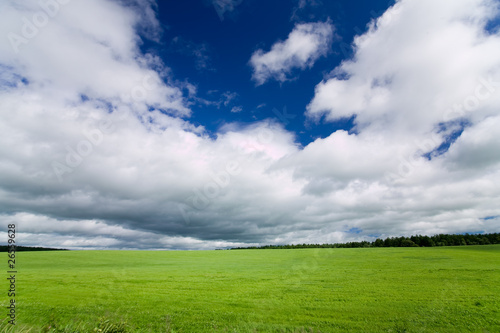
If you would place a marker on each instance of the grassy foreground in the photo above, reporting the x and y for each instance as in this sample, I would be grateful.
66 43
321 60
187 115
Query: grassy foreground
445 289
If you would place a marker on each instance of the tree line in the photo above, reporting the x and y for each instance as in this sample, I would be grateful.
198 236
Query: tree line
4 248
413 241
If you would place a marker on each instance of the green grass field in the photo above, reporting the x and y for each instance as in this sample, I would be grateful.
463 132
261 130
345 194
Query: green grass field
445 289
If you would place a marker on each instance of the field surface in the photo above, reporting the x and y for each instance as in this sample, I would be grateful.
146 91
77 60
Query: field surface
441 289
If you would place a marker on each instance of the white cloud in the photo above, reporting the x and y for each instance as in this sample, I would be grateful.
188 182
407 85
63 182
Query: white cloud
419 69
403 61
478 148
304 45
148 24
228 97
410 78
101 60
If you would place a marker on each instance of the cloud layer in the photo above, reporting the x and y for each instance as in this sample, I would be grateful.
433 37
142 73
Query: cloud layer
97 149
304 45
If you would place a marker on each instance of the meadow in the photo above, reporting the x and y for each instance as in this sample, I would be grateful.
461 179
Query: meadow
439 289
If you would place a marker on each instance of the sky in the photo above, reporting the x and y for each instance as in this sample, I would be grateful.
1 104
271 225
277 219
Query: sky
204 124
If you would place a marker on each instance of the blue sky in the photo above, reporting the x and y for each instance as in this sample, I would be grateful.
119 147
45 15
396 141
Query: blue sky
202 124
211 48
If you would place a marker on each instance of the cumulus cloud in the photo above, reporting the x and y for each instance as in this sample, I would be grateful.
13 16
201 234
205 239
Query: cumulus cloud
409 84
97 149
147 24
305 44
77 55
408 72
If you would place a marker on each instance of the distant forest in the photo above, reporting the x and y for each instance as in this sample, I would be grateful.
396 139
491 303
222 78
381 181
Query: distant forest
413 241
4 248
